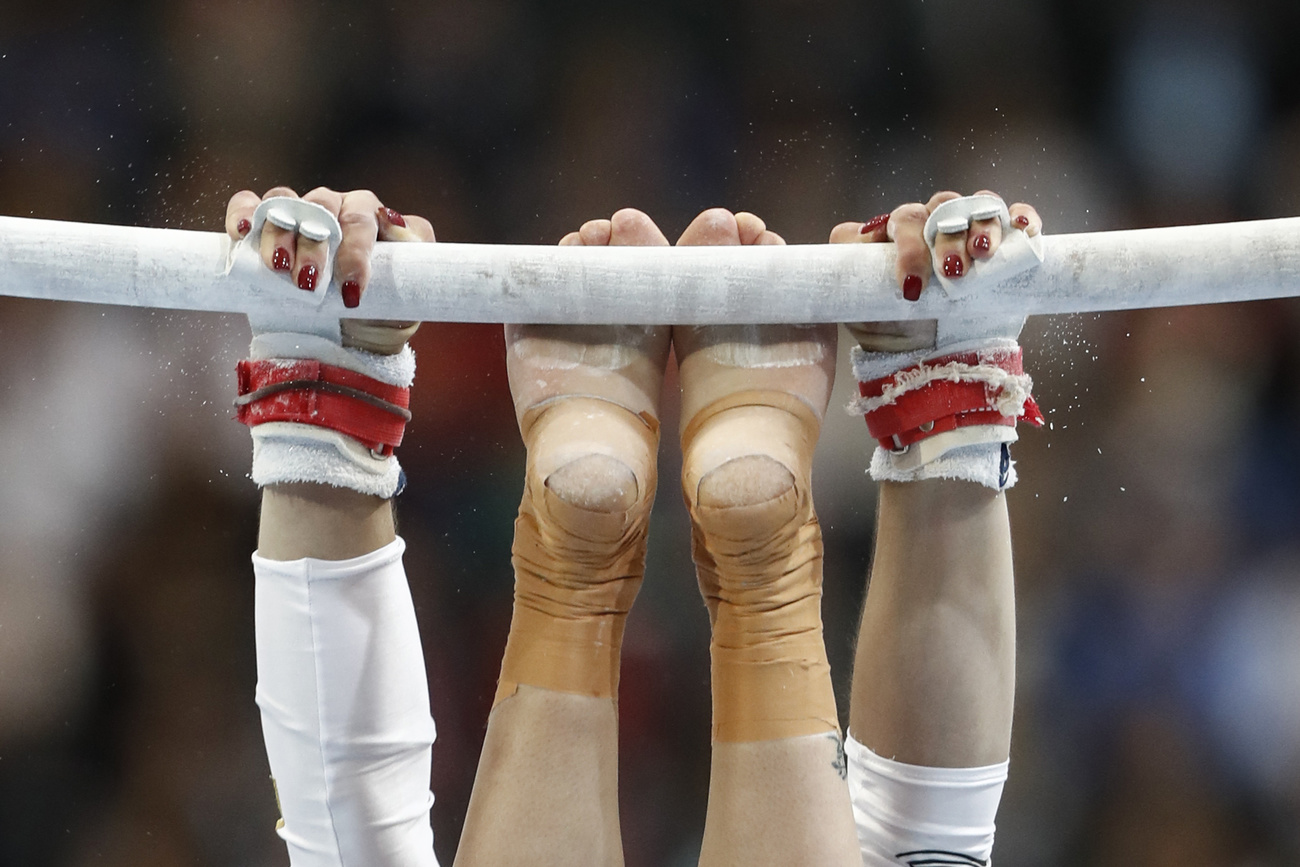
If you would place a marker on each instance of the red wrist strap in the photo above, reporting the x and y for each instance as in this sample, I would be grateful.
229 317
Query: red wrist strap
312 392
943 404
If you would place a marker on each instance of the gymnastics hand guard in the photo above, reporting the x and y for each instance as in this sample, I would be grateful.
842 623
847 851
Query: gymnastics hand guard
327 402
948 407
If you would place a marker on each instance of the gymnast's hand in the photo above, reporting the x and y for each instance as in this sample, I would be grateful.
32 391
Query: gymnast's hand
954 253
364 219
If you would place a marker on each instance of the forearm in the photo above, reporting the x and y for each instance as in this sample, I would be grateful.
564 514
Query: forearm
934 676
322 522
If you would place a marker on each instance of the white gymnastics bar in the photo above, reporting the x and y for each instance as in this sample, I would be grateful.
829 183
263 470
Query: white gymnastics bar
185 270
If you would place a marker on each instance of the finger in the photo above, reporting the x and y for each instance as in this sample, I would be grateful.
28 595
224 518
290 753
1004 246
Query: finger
950 254
396 226
328 199
907 227
749 227
984 235
573 239
714 227
278 245
596 233
239 213
1025 217
769 239
358 214
310 256
847 233
939 198
632 228
949 249
421 228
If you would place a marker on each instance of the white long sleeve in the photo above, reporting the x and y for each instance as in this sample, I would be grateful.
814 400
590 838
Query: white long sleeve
914 815
345 710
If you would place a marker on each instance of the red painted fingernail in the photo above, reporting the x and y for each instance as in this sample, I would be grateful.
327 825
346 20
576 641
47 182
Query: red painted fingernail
394 217
351 293
874 223
242 227
912 287
1022 221
952 266
307 278
280 259
982 243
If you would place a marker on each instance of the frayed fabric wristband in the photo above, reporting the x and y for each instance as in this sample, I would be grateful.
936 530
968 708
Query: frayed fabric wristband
945 414
326 414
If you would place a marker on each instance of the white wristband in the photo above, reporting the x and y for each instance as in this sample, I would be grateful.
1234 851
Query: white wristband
287 452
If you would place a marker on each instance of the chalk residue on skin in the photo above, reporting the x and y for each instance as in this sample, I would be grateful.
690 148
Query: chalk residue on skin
567 347
752 346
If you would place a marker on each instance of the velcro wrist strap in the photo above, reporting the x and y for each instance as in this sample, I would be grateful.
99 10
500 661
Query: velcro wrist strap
945 393
311 392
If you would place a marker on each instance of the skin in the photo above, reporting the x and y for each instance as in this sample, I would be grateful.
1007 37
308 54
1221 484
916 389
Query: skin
546 791
940 612
775 802
306 520
934 671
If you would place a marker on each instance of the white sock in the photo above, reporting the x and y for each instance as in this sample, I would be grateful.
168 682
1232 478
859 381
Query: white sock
345 710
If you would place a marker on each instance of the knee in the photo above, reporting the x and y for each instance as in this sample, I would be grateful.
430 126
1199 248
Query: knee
745 476
746 504
595 483
749 480
591 476
748 511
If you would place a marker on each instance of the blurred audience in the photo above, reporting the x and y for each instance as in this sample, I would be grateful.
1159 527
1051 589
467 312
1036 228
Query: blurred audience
1158 516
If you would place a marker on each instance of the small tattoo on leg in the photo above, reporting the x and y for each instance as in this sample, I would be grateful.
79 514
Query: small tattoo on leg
841 763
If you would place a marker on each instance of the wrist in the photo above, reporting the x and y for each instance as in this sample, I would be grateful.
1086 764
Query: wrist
322 522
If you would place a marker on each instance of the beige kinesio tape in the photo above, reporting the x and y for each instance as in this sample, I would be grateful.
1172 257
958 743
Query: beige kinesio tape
760 569
577 570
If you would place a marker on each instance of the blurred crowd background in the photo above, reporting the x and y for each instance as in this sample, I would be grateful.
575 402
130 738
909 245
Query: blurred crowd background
1157 519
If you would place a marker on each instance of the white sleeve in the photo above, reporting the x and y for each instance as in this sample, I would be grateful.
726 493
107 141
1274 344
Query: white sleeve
345 710
914 815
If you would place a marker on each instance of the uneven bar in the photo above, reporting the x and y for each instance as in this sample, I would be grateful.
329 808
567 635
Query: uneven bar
183 270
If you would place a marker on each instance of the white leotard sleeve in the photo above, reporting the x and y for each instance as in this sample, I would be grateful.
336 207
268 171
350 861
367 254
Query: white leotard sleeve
345 710
914 815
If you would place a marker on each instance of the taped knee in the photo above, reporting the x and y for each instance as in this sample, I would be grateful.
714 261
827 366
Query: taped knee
758 555
748 511
595 483
579 549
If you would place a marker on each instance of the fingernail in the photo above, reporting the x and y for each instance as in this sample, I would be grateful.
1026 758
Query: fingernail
1021 221
242 227
874 223
912 287
351 293
952 266
982 243
307 278
280 259
395 218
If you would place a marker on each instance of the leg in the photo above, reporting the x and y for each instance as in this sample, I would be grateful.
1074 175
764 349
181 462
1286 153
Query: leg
587 400
753 398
